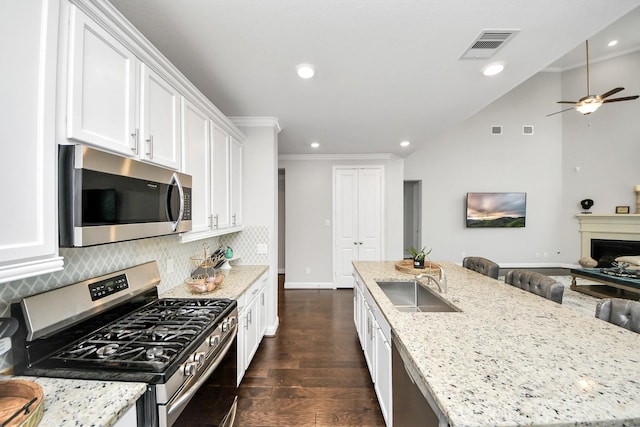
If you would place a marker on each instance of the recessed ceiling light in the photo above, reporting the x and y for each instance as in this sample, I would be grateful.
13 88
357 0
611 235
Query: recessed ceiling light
405 144
315 144
612 43
493 69
306 71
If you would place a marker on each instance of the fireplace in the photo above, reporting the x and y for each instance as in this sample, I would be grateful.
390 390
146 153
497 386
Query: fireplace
605 251
606 236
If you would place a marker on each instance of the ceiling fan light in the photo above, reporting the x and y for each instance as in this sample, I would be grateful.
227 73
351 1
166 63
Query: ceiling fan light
589 105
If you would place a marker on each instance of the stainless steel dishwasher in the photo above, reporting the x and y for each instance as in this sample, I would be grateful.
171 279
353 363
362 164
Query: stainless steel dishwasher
410 407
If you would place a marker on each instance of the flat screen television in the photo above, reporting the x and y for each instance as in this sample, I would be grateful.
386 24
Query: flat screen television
491 210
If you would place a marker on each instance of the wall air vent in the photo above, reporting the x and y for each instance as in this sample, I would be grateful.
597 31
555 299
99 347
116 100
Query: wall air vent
488 43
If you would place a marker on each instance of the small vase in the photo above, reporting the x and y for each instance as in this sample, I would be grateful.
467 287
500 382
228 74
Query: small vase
418 263
228 254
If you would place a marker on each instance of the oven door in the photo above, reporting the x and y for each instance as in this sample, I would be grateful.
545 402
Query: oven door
211 400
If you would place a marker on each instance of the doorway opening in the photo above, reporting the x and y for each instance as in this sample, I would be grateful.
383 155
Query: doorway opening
412 216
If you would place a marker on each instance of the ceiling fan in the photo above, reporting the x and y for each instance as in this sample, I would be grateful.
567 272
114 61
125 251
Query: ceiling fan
591 103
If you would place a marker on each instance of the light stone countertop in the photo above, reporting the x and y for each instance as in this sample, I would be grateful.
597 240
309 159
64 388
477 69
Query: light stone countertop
82 403
510 357
237 279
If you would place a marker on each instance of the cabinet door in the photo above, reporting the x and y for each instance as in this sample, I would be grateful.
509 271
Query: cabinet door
369 344
236 183
160 124
383 375
252 325
28 242
196 142
101 99
241 344
220 179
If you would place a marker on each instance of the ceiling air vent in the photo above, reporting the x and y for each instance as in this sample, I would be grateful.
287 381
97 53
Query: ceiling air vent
488 43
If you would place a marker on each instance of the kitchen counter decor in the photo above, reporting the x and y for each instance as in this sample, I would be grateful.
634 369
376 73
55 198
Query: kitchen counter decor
21 403
406 266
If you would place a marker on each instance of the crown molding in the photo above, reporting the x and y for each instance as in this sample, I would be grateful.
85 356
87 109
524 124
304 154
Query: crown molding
257 122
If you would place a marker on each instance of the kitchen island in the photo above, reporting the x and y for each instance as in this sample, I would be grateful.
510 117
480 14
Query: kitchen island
510 357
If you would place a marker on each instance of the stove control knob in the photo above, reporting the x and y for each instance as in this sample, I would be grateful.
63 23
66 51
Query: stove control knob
198 357
190 368
214 340
225 325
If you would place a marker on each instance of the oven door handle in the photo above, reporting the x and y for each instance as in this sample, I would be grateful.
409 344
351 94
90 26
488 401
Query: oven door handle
186 395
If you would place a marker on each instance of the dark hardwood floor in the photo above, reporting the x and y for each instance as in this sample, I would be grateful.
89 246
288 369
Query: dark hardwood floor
312 373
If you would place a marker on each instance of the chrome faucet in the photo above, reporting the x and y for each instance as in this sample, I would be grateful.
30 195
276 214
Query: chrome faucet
441 283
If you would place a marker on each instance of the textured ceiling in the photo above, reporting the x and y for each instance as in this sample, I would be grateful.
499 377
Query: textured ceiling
386 70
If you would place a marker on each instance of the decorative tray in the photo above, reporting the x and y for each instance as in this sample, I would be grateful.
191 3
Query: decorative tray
21 403
406 266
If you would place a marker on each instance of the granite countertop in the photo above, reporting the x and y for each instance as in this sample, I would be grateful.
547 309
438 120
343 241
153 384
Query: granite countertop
81 403
510 357
236 280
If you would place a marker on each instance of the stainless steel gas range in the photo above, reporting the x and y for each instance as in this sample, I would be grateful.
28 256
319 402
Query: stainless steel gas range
116 328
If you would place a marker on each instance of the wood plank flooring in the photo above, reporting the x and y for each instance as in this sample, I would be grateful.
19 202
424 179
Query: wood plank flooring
312 373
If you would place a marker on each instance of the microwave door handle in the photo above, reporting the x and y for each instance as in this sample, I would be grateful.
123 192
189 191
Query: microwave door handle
176 181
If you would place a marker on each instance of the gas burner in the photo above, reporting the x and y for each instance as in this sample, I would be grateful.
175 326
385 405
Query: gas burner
107 350
155 353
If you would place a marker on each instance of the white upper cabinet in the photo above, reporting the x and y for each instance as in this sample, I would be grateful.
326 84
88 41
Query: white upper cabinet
196 141
220 179
115 101
235 165
29 239
160 124
101 97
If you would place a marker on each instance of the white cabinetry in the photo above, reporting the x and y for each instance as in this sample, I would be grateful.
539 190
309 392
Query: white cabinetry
235 175
374 333
29 239
251 323
220 178
196 142
226 181
160 120
101 91
116 102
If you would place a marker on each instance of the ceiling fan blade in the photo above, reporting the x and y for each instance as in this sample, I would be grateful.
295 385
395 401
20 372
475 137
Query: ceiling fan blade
567 102
611 92
561 111
624 98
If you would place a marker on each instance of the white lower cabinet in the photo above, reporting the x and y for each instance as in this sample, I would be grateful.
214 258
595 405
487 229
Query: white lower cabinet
250 323
374 333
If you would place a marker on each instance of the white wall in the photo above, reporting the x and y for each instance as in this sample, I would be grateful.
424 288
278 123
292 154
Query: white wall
471 159
308 202
605 145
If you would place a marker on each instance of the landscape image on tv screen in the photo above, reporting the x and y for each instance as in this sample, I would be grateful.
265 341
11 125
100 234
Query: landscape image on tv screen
496 210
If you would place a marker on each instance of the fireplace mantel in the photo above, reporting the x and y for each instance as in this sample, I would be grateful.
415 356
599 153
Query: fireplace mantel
607 226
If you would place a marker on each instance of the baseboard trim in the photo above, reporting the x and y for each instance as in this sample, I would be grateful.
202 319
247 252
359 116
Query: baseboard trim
309 285
272 329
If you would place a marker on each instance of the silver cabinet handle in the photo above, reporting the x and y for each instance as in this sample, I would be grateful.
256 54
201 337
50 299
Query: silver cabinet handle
215 221
134 135
210 221
149 152
233 219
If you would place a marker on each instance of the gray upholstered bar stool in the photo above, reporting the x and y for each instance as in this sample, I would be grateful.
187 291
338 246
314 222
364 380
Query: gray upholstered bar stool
621 312
536 283
481 265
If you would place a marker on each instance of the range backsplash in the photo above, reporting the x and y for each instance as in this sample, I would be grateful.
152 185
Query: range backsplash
84 263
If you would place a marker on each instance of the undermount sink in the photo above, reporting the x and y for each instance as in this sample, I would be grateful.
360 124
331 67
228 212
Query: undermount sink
411 296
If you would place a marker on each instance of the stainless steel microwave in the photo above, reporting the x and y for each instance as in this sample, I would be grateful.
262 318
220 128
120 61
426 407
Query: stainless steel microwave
104 198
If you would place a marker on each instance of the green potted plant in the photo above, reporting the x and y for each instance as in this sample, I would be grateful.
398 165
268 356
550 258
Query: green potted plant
418 256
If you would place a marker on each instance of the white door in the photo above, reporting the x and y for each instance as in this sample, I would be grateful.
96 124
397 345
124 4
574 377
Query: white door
357 220
101 100
160 126
196 139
